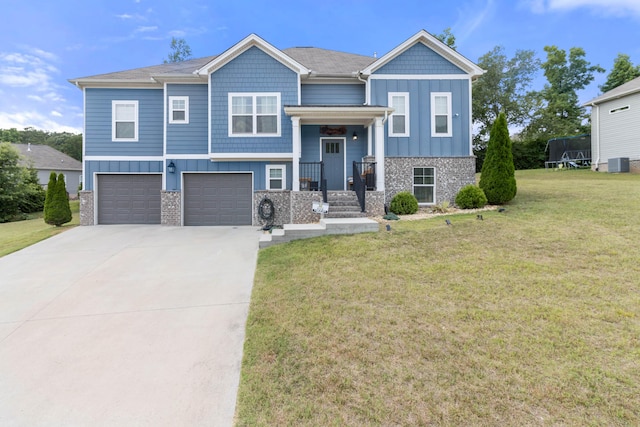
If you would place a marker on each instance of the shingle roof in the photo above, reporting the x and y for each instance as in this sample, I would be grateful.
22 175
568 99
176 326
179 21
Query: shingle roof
628 88
320 61
45 157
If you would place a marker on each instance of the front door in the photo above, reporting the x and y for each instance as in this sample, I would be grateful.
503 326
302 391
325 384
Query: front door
333 158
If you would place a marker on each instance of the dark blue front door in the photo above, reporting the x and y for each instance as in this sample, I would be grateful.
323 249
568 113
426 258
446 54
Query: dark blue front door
333 157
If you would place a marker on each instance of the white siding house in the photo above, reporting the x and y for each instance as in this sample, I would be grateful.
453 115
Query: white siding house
615 126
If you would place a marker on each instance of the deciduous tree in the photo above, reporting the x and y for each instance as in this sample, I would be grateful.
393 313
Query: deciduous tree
622 72
180 50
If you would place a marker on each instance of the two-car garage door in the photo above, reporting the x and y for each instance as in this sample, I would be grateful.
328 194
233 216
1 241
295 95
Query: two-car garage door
209 198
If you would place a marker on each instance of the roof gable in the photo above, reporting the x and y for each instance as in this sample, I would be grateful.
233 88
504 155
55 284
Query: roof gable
629 88
245 44
433 44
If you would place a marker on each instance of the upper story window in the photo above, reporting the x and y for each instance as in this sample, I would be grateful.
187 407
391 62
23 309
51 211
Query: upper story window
399 121
124 120
179 109
441 114
276 177
254 114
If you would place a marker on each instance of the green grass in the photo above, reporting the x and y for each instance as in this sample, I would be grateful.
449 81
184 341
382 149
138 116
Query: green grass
530 317
20 234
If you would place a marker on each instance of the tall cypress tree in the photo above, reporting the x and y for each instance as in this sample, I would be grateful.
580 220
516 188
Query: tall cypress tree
57 209
497 178
51 189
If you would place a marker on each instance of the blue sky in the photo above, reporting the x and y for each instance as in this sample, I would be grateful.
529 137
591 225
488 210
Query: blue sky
43 43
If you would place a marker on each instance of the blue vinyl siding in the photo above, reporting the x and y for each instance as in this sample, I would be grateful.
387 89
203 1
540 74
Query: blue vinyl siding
259 170
420 143
114 166
252 71
98 136
191 138
333 94
355 150
419 59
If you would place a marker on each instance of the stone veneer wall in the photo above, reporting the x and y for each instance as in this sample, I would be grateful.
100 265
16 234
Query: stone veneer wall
281 204
374 203
301 203
452 173
86 208
170 208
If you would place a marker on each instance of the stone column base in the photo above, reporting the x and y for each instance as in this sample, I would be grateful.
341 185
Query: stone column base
170 208
87 216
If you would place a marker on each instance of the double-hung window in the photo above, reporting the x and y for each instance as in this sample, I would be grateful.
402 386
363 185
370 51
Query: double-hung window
441 114
179 109
399 121
254 114
424 184
276 177
124 120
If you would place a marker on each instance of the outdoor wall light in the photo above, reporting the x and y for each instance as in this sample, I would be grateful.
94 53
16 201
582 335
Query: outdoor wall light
171 167
355 136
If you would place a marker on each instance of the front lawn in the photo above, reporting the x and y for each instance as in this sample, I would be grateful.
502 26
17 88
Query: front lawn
20 234
530 317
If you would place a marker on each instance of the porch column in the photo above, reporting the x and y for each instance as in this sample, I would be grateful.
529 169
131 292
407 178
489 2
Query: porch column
295 173
379 154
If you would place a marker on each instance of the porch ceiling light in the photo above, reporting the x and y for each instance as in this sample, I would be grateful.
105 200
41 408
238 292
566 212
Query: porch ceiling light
171 167
355 136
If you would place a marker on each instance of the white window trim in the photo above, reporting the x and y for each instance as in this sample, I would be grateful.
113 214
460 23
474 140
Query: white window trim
434 134
284 176
406 114
186 109
413 185
113 121
254 114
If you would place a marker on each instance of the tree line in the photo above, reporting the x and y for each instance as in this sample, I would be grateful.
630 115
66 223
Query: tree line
539 115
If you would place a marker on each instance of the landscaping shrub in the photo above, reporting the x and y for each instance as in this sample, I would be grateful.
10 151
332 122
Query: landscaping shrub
404 203
471 197
56 207
497 179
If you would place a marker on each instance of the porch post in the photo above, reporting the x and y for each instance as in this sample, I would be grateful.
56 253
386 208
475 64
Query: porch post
379 154
295 173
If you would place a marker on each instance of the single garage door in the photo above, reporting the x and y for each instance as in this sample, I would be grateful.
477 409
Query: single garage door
217 198
129 199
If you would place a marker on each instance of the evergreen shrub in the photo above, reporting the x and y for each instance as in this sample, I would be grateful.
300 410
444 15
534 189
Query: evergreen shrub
471 197
404 203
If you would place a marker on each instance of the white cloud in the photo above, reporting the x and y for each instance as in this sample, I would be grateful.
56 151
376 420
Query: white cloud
607 7
54 113
145 29
36 120
471 17
124 16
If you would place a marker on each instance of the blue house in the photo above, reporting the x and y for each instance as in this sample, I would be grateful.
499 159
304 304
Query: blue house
206 141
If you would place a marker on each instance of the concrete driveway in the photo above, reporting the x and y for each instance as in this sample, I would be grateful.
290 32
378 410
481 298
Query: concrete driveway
125 325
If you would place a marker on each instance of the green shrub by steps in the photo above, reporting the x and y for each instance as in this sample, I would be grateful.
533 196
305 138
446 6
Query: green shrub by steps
404 203
471 197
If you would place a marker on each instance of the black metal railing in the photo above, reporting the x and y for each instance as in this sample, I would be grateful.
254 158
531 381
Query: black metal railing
359 186
367 171
312 178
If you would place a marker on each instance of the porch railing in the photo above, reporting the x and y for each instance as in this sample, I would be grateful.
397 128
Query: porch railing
367 171
312 178
359 186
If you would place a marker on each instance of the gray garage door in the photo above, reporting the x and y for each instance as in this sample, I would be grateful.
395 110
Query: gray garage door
129 199
217 199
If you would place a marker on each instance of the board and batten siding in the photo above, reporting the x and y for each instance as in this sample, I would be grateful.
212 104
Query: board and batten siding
98 133
114 166
333 94
619 132
192 137
259 170
419 59
420 143
253 71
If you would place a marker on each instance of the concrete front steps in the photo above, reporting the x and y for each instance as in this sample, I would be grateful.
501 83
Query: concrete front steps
344 204
290 232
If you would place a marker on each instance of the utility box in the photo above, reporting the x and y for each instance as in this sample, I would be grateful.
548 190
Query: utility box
619 164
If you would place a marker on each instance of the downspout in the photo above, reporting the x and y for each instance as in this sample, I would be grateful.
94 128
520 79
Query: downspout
597 132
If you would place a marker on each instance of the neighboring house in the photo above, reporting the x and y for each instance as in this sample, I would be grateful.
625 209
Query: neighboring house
45 159
204 141
615 126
